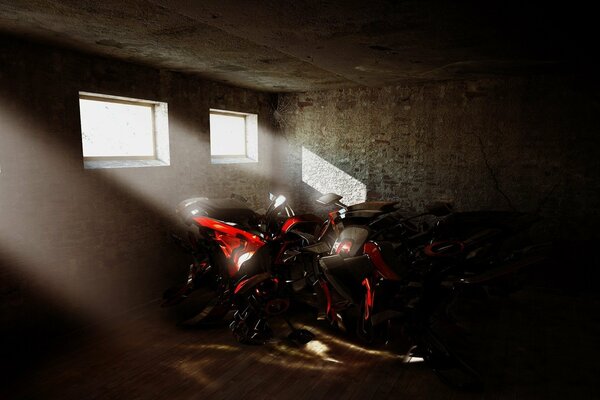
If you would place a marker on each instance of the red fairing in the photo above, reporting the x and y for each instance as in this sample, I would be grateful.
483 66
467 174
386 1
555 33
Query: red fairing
299 219
328 297
369 297
372 250
241 285
228 229
228 244
332 216
253 280
234 242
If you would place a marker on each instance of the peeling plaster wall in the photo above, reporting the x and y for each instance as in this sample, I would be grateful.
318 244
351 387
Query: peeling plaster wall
424 142
87 245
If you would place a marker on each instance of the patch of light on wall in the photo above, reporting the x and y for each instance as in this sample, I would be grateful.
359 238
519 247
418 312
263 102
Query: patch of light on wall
111 129
327 178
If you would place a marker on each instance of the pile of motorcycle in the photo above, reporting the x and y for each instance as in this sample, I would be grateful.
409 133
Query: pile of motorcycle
368 268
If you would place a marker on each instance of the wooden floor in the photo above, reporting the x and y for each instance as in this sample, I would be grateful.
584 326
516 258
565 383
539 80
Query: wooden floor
534 345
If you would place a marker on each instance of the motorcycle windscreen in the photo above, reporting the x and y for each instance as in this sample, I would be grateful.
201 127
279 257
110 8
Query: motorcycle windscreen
351 241
328 199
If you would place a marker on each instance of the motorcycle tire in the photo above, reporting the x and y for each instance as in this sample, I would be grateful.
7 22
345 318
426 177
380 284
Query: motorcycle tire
249 327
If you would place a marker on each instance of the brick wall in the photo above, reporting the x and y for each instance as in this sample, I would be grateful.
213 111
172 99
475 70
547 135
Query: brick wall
423 142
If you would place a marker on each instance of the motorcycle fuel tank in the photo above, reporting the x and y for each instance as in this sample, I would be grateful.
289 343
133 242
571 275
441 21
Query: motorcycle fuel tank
227 210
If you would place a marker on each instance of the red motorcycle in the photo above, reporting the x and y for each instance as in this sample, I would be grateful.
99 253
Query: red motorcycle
246 259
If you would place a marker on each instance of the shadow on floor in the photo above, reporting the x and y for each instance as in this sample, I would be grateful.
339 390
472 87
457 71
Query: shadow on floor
537 343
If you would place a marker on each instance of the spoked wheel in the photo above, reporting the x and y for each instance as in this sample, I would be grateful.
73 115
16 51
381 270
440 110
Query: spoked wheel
255 304
250 327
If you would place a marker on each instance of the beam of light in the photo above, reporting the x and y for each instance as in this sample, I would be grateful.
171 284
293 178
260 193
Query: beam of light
198 177
300 364
327 178
194 369
283 348
57 238
351 346
219 347
292 358
54 238
321 350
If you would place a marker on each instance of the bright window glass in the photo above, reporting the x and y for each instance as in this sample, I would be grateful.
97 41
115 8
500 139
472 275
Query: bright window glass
227 134
122 132
233 137
116 129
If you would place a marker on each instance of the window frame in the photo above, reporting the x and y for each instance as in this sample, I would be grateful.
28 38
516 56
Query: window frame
159 157
250 130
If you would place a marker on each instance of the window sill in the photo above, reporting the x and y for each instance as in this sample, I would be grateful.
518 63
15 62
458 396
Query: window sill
232 160
101 164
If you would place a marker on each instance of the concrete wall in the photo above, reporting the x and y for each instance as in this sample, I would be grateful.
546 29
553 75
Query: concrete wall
426 142
81 246
86 245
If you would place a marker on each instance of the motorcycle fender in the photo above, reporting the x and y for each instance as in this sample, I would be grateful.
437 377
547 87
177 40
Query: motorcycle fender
377 257
306 222
247 284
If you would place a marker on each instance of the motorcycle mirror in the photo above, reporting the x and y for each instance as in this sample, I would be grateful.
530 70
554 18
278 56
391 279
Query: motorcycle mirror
329 198
279 200
276 202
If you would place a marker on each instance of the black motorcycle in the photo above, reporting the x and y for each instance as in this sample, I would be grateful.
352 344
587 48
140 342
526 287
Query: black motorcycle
387 271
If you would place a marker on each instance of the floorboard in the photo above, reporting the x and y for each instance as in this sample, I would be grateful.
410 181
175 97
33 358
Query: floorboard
534 344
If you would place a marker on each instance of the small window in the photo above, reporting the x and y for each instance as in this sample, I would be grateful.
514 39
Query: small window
119 132
233 137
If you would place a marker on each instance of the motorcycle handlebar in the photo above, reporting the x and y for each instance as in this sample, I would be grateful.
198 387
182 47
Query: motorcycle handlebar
278 205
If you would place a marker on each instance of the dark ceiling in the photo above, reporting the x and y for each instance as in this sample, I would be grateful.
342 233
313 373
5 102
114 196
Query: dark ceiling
312 45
